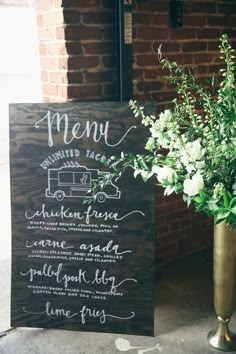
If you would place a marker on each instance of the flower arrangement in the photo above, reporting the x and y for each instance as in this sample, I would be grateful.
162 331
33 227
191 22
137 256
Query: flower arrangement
192 146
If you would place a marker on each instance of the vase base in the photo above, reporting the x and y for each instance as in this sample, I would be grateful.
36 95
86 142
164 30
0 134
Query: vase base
222 338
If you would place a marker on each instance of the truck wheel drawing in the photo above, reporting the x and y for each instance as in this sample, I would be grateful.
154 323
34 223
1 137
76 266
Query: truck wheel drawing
77 181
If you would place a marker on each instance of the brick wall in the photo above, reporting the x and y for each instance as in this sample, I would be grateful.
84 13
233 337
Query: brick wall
77 48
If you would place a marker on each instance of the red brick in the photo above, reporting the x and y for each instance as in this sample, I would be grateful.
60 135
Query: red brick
220 21
159 20
203 58
77 63
201 7
46 99
230 32
99 47
62 91
48 63
160 220
40 20
167 95
208 33
98 77
153 6
138 74
57 99
201 69
84 91
150 33
213 46
44 76
147 60
148 86
204 7
71 16
227 10
60 33
195 21
182 59
74 48
74 77
80 32
144 97
49 90
183 34
57 3
56 48
194 242
170 237
99 18
167 249
215 68
194 46
162 106
58 77
52 18
150 74
108 33
46 34
141 19
62 63
167 47
42 49
108 61
163 230
142 47
80 3
43 5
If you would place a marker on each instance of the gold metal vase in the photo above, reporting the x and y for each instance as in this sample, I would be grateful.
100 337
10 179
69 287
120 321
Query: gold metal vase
224 287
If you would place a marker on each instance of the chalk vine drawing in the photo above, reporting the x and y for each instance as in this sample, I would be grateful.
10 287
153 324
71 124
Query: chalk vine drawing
124 345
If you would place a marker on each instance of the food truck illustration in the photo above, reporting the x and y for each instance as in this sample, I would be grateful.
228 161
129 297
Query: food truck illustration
77 182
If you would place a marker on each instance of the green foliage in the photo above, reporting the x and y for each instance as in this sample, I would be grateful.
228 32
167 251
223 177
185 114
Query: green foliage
192 147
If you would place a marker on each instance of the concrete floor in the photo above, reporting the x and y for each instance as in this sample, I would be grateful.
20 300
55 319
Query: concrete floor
184 316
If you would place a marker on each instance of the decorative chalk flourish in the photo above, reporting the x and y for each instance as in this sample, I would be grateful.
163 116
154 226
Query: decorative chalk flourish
124 345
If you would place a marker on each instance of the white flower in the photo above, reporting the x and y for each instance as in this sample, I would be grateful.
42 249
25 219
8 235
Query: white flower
193 152
196 152
123 344
165 174
161 124
164 118
193 185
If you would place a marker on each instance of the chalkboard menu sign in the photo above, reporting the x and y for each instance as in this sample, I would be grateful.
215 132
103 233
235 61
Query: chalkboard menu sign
77 265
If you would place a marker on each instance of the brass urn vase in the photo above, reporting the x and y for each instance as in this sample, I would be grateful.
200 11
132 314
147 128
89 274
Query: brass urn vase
224 286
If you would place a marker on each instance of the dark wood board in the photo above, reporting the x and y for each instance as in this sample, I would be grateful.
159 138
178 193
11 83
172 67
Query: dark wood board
79 266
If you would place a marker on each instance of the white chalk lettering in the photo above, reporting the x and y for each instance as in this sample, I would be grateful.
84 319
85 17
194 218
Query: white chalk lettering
100 277
95 130
100 314
80 215
53 312
109 248
47 243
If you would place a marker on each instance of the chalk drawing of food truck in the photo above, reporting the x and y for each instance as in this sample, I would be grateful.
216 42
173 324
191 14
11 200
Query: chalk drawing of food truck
77 182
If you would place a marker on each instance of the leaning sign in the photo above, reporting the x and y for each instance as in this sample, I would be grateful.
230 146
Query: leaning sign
79 265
